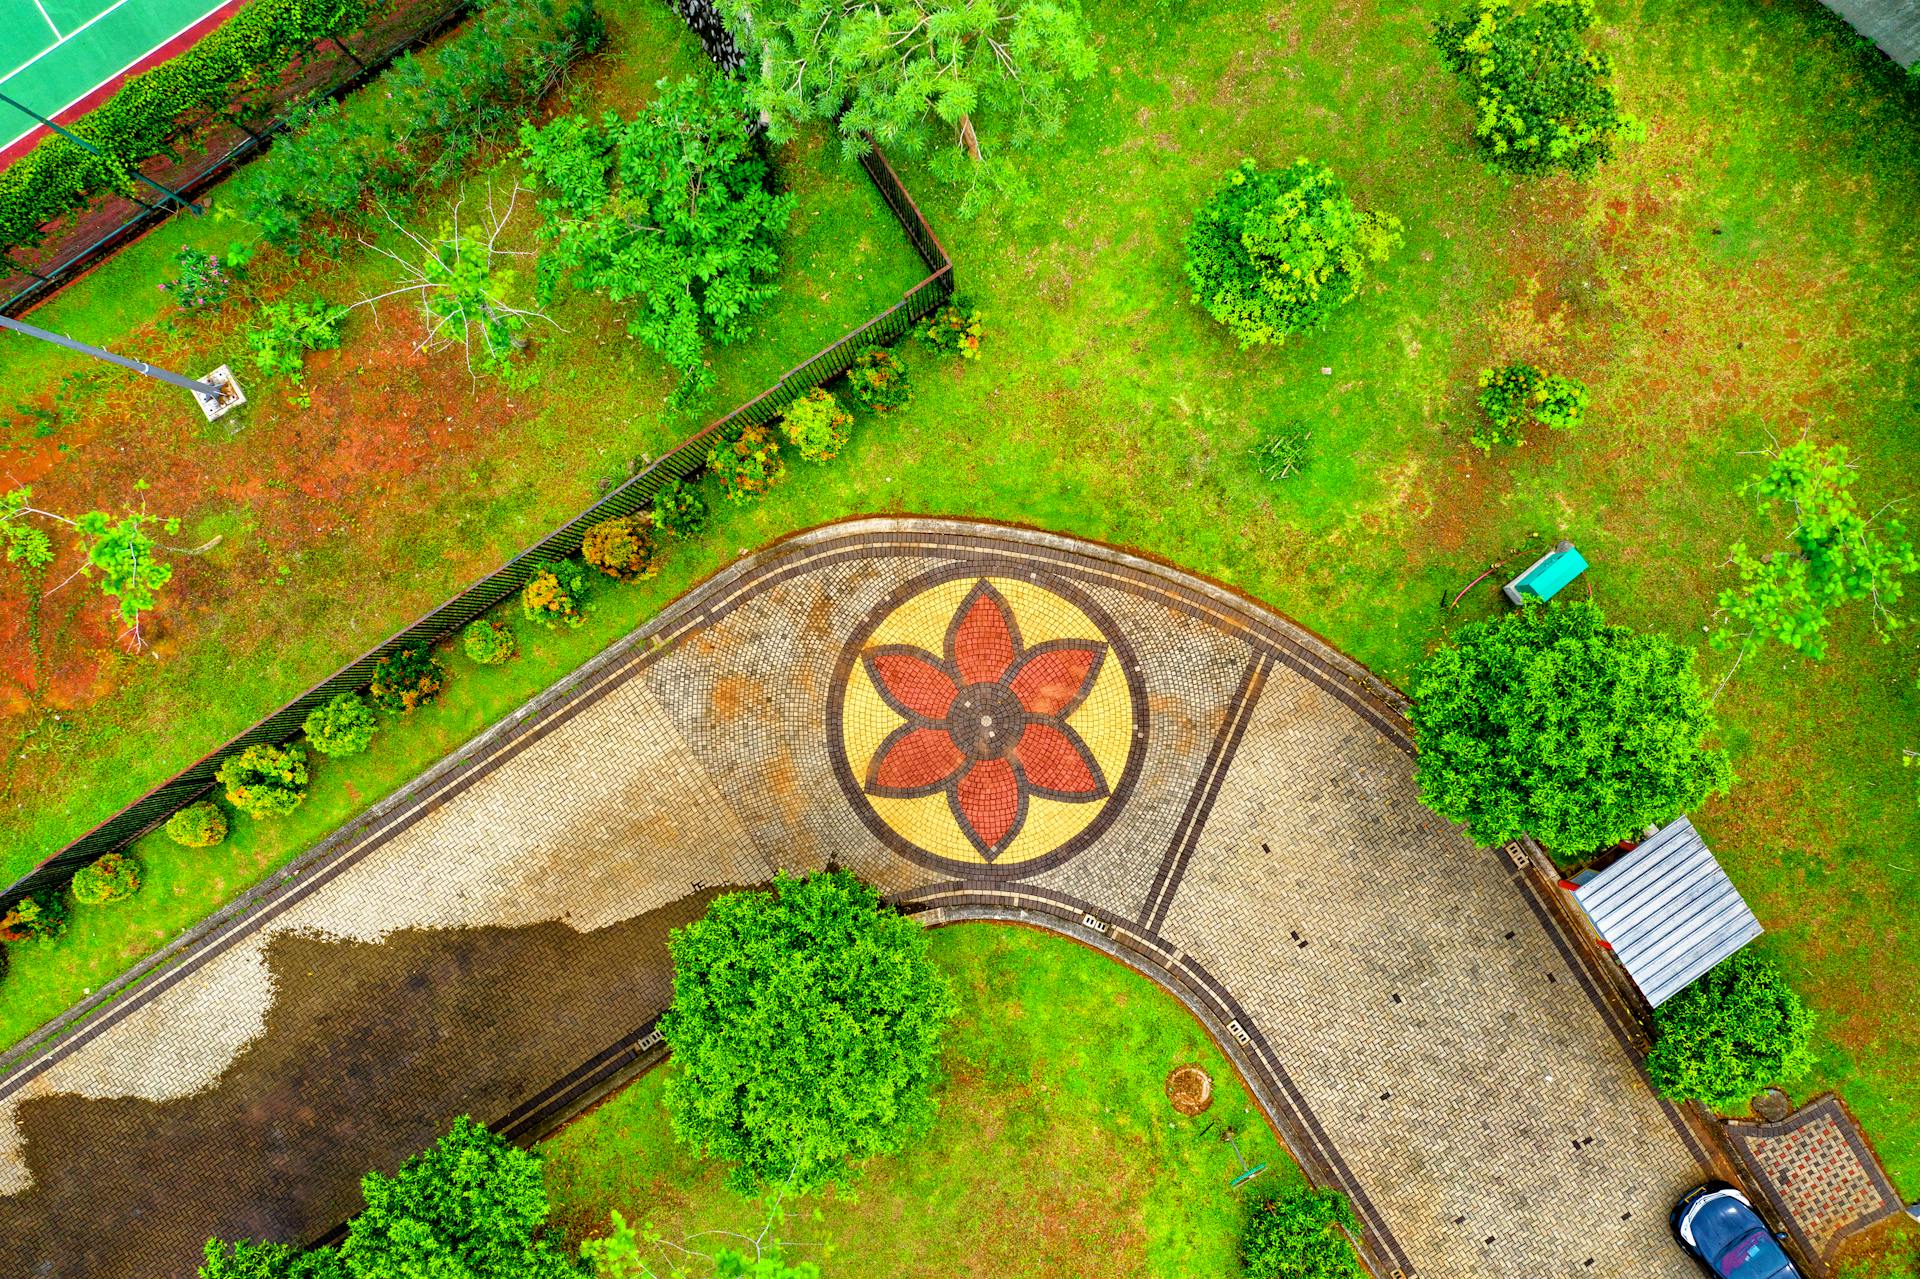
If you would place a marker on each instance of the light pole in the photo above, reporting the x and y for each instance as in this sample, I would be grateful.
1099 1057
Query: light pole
215 395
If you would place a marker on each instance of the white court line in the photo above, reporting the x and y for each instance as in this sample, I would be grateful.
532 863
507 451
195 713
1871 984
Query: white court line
212 7
57 37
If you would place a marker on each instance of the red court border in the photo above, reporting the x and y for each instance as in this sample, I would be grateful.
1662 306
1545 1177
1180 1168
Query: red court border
107 88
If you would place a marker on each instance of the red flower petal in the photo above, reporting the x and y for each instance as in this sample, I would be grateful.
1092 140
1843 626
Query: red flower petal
988 802
911 681
1053 762
915 759
981 644
1054 679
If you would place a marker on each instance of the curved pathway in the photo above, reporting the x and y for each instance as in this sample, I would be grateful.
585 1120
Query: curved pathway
986 722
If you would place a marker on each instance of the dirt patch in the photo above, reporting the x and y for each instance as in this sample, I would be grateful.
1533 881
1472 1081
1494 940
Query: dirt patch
1190 1089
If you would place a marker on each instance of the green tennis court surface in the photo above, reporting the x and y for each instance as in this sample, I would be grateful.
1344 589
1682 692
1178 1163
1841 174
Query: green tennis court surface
53 53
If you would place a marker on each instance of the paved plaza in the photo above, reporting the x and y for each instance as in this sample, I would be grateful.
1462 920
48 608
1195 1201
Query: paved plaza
984 722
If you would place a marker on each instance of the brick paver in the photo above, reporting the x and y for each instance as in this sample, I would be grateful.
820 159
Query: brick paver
985 722
1818 1171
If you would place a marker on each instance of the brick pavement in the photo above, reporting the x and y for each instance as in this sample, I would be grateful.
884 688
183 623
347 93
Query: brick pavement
985 722
1817 1170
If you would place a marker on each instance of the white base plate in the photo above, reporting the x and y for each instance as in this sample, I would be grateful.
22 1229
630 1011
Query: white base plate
232 398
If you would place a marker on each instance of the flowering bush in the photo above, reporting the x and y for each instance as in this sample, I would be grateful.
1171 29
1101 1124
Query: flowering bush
879 380
204 283
622 548
198 825
1278 251
341 726
1517 394
488 642
406 679
41 917
265 781
111 878
817 425
748 464
955 327
551 596
678 509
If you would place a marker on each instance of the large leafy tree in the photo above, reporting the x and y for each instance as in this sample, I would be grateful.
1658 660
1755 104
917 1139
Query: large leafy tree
1733 1032
1544 99
1554 723
957 80
805 1029
1302 1234
674 211
1834 555
470 1206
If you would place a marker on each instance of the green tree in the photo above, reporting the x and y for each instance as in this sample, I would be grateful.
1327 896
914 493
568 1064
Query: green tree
1834 555
1736 1030
1543 97
249 1260
470 1206
626 1253
805 1029
340 726
120 549
1302 1234
674 211
958 81
1278 251
265 780
1554 723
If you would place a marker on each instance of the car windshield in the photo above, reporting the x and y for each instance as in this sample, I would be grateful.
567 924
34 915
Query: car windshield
1753 1256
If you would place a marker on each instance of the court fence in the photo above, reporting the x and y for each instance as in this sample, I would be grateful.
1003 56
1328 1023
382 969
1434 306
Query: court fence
203 158
686 459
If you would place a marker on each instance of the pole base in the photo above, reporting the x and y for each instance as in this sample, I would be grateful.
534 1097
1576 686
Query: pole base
231 396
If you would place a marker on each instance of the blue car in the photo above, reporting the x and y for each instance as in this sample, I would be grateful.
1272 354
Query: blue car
1718 1225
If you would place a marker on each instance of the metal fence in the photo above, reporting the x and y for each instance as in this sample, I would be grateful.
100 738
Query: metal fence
636 494
333 68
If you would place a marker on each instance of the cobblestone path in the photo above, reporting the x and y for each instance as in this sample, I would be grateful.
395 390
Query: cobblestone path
986 722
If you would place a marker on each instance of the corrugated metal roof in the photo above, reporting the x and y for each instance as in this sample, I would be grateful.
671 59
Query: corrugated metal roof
1668 910
1894 25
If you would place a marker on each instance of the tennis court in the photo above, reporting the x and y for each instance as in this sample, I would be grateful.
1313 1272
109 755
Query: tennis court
63 57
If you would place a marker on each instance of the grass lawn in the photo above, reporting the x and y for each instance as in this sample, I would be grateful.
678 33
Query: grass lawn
1751 268
1055 1151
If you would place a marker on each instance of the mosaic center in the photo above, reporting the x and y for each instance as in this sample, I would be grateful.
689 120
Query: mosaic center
987 725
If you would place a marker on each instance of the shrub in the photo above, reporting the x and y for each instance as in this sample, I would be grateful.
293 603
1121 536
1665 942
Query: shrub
1277 251
406 679
316 178
292 329
341 726
201 824
805 1029
471 1204
1543 96
1552 723
40 917
1282 452
552 595
249 1260
622 548
110 878
1516 394
1302 1234
879 380
1733 1032
748 463
488 642
954 328
204 283
265 781
817 426
679 510
675 211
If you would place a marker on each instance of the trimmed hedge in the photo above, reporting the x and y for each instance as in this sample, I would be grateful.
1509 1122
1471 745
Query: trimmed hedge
139 122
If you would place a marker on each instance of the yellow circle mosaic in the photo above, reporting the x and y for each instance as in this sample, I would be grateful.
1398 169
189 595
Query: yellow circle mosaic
1103 718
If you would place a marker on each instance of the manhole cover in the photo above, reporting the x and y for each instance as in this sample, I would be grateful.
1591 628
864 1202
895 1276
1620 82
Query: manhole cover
1772 1105
1190 1089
